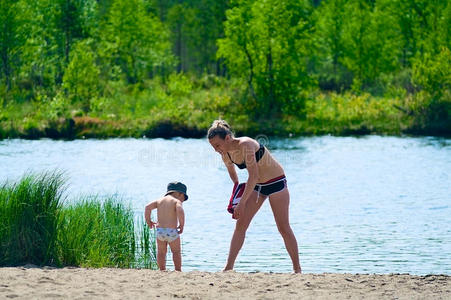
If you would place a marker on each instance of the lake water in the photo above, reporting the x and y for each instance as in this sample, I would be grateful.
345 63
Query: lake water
361 205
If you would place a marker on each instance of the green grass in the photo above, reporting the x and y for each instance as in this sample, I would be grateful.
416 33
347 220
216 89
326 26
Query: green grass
146 248
29 210
40 228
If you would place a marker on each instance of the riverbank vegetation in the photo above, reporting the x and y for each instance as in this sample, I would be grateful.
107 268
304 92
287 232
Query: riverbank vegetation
41 227
80 69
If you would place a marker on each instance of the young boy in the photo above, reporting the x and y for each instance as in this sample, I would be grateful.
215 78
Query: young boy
169 214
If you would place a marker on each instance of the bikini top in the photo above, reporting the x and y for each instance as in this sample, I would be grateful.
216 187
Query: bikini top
258 156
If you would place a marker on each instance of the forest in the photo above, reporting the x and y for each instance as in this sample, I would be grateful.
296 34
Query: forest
163 68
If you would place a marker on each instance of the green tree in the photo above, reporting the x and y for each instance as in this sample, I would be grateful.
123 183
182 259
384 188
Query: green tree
432 73
207 27
11 40
73 19
161 7
134 40
445 25
266 43
81 77
52 28
180 18
431 106
330 18
370 41
195 26
422 24
41 59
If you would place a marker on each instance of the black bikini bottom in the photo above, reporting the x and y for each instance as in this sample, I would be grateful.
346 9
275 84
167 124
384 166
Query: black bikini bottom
271 186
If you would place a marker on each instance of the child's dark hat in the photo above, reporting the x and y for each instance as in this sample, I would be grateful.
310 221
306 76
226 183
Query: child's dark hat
177 187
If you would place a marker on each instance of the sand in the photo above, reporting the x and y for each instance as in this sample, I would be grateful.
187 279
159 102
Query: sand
79 283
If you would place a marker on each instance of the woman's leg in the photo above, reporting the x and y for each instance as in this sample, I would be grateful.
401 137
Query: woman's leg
252 206
280 207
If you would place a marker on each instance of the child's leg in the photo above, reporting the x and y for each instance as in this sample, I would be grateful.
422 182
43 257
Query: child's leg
161 254
176 254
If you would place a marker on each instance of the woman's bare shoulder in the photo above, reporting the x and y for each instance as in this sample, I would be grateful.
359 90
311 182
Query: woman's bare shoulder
247 142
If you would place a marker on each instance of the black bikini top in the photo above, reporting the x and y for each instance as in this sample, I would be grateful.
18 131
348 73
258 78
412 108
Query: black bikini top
258 156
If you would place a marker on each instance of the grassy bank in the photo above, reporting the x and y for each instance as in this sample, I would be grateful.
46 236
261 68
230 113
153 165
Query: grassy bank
184 106
40 227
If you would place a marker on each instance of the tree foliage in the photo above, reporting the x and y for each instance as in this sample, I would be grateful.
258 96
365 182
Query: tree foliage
133 40
267 44
280 50
11 40
81 75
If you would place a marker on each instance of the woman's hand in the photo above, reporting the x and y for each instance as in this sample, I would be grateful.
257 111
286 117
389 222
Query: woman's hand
238 211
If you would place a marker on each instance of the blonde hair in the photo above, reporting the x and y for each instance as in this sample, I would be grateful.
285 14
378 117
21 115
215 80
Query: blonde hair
219 128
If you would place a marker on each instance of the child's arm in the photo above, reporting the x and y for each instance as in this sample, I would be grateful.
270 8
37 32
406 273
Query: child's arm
180 216
147 213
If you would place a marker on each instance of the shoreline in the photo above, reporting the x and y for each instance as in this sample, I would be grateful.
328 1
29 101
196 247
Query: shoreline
77 128
198 135
61 283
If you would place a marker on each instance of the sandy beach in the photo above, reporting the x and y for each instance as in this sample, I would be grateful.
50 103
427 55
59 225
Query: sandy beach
79 283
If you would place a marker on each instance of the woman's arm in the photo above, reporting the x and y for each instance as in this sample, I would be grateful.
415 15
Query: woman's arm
252 169
230 168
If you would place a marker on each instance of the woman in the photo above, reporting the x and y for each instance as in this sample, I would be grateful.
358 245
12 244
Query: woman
266 180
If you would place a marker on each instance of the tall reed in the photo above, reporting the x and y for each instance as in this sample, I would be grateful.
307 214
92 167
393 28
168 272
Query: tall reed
38 228
96 234
29 212
146 250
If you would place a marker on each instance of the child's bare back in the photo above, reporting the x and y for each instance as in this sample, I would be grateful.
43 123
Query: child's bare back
167 211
